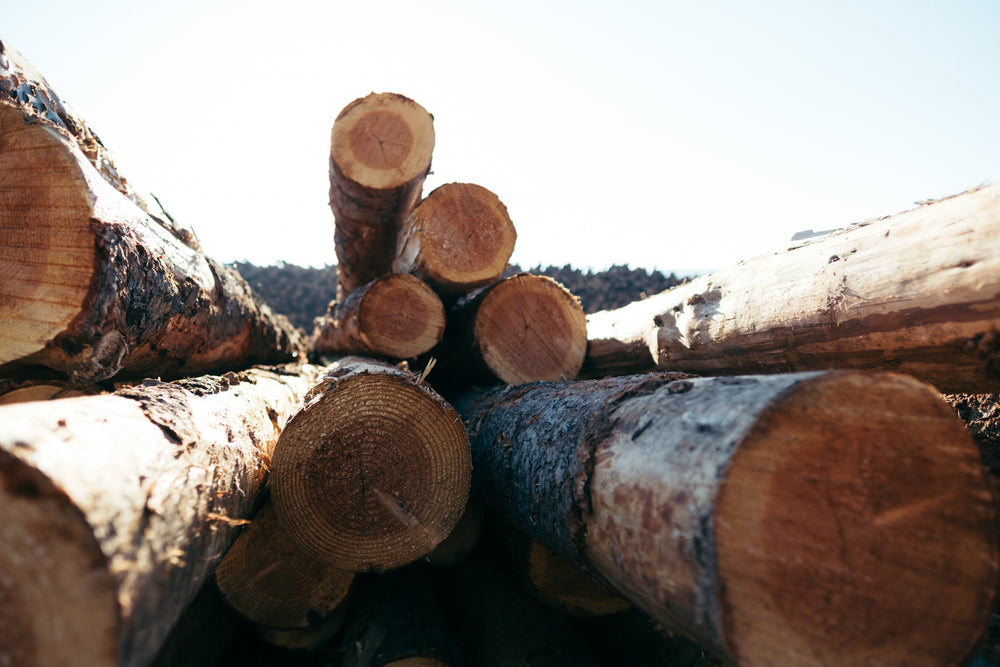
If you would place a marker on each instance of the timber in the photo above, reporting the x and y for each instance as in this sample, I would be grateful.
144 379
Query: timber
94 288
458 238
834 518
396 316
373 471
380 153
118 506
917 293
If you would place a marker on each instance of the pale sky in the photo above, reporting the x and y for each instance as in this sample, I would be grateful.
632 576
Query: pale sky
680 136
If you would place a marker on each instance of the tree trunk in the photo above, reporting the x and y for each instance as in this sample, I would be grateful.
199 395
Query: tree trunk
396 316
458 238
118 506
92 287
380 154
918 292
373 472
813 518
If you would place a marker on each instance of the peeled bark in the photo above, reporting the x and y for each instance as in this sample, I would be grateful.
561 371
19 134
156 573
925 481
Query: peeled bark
94 288
380 154
834 518
917 292
118 506
373 472
396 316
458 238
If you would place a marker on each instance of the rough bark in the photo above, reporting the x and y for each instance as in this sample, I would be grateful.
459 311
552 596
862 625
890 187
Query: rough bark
458 238
380 154
828 518
118 506
373 472
396 316
918 292
93 287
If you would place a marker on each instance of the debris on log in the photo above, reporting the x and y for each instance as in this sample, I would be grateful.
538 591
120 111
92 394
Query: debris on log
917 293
832 518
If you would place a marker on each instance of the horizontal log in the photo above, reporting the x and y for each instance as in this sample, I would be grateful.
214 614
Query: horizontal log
118 506
917 292
834 518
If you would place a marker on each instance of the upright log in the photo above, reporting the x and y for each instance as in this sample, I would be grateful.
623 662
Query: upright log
373 472
116 507
93 287
380 154
918 292
824 518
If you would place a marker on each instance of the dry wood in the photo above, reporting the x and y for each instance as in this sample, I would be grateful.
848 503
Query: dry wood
380 154
834 518
373 472
118 506
268 579
93 287
918 292
396 316
458 238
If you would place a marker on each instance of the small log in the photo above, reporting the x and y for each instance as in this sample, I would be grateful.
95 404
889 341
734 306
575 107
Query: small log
380 154
267 579
395 620
118 506
462 539
917 292
396 316
373 472
458 238
834 518
93 287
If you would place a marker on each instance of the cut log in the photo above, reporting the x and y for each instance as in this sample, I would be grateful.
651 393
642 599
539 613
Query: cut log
267 579
834 518
373 472
458 238
92 287
380 154
463 537
396 316
395 620
118 506
918 292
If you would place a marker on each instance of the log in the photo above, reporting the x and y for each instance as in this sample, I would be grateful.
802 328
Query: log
118 506
94 288
396 316
380 154
374 471
917 292
462 539
458 238
834 518
267 579
632 638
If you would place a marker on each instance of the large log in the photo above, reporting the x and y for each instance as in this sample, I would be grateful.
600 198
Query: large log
918 292
116 507
373 472
93 287
380 154
834 518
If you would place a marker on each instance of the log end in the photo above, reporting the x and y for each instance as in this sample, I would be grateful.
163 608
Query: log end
401 317
875 544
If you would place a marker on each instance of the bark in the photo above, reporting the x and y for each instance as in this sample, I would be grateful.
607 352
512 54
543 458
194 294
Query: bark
94 288
380 154
396 316
458 238
918 292
828 518
373 472
118 506
633 639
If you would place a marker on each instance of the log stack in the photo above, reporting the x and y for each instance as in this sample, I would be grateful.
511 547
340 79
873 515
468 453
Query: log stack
807 498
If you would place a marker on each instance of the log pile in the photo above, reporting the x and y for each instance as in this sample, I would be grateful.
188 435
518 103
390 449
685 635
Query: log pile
423 479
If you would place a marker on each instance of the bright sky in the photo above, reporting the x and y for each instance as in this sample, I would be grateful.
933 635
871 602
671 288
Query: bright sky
683 136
